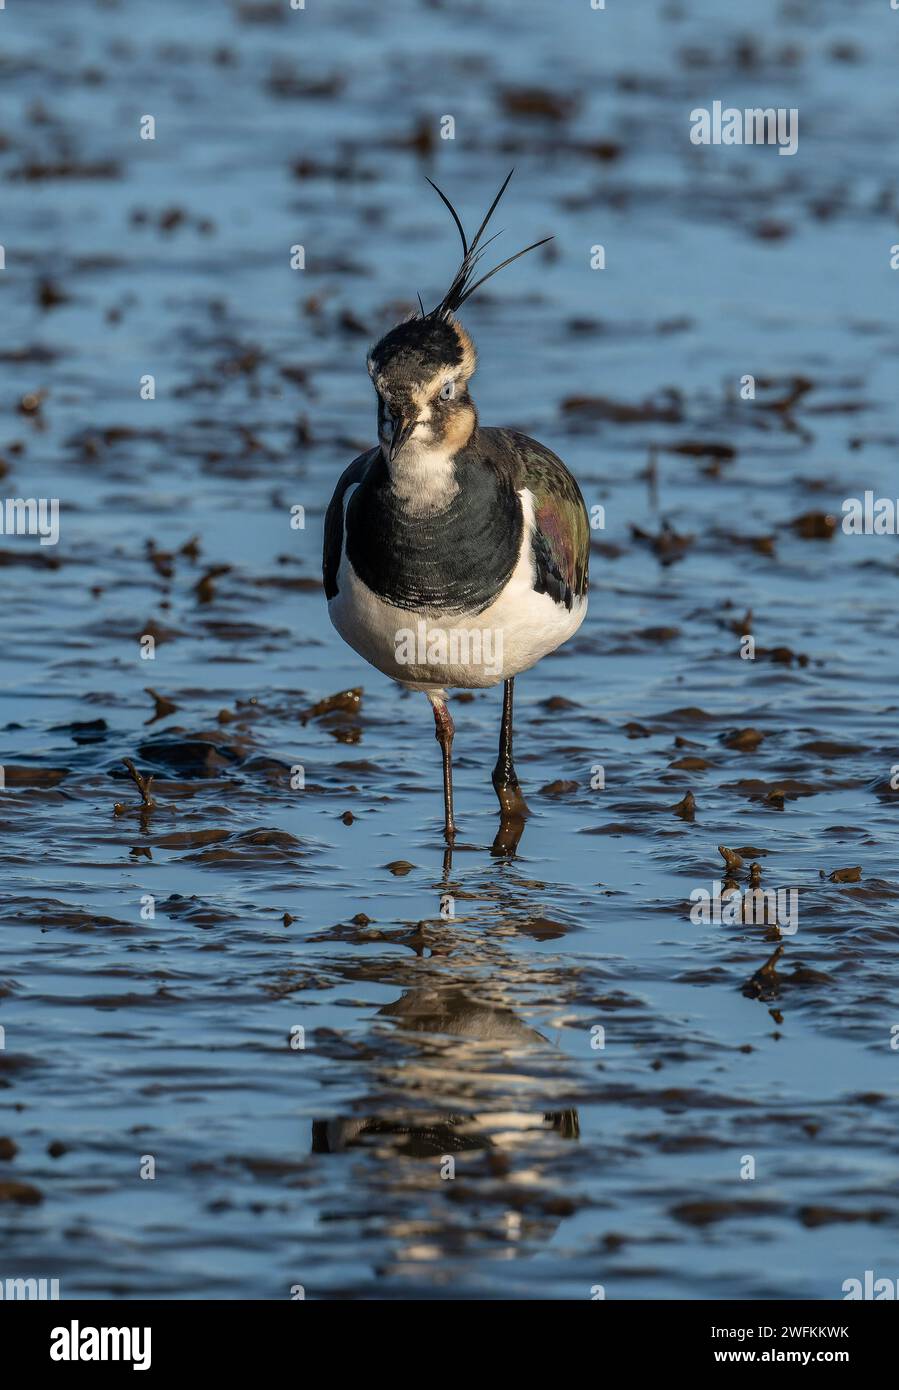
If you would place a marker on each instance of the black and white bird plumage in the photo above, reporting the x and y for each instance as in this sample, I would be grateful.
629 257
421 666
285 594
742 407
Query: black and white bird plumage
447 527
504 552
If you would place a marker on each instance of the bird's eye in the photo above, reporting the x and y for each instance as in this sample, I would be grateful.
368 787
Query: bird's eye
447 390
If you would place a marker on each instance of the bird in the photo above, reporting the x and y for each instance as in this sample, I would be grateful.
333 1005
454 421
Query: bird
455 554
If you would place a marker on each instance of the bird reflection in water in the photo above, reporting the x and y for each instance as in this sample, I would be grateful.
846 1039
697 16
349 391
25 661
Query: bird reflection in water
506 1192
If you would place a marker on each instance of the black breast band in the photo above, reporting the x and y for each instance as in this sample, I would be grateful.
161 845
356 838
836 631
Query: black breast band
454 561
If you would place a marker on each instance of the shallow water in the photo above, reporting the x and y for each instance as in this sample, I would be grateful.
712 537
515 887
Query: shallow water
426 1035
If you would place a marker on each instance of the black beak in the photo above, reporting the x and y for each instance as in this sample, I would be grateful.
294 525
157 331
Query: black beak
401 432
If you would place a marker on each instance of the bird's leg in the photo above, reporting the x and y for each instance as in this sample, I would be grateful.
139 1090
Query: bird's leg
444 728
447 863
505 780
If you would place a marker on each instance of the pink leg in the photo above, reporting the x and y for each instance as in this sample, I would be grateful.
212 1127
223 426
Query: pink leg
444 730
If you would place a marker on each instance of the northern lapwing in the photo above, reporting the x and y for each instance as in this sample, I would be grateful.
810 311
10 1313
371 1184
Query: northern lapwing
455 555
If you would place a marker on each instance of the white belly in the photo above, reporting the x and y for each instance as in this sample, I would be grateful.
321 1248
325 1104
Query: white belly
427 651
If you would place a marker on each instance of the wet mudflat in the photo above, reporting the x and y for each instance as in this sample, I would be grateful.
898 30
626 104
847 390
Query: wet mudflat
157 960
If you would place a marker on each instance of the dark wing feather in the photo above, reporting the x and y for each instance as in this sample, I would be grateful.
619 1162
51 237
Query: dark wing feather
333 539
561 538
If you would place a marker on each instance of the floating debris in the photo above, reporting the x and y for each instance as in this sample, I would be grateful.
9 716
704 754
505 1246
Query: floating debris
142 783
667 544
745 740
815 526
343 702
852 875
164 706
686 807
25 1194
205 586
764 983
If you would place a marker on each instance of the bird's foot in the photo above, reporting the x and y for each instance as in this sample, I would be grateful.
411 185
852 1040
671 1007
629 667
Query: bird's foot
512 804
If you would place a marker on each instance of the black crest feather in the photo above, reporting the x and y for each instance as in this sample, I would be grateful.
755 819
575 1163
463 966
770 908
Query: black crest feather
463 283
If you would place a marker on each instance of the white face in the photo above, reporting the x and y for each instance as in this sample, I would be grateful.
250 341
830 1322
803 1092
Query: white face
425 406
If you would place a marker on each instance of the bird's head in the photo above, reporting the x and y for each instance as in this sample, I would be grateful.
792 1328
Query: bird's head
421 371
422 367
